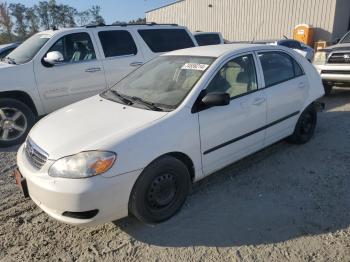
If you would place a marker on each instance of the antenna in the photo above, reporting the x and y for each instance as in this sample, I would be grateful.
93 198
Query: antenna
258 30
285 37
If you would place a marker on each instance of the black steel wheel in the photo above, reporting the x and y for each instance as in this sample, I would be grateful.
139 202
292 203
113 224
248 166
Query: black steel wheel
305 127
160 191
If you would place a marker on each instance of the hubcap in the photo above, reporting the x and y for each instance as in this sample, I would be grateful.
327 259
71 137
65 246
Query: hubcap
162 191
13 124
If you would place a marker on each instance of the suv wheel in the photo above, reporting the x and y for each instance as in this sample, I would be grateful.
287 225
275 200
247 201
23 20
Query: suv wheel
160 191
16 119
327 88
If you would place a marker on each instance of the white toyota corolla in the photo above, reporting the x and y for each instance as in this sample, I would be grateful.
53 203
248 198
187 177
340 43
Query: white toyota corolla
137 147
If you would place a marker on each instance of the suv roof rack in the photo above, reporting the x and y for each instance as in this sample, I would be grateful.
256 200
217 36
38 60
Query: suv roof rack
127 24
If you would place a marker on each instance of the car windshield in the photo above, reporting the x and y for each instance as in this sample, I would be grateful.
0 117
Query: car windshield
346 39
163 82
28 49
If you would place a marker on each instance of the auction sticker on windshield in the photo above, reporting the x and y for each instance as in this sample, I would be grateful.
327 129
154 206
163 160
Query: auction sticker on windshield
194 66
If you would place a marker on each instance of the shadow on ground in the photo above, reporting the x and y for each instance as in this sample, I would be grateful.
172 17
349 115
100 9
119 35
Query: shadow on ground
280 193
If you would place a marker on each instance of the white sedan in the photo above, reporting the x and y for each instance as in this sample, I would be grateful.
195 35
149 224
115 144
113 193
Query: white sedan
137 147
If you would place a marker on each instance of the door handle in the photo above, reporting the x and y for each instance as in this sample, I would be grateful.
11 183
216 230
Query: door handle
301 85
259 100
93 69
136 64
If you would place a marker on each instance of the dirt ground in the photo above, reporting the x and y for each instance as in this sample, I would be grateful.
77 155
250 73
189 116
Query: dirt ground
285 203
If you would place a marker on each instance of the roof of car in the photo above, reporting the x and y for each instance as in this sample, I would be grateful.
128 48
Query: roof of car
218 50
148 26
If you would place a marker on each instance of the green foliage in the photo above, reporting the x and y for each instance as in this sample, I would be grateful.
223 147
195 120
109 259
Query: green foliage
17 21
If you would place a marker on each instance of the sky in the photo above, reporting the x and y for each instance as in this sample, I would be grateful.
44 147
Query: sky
111 10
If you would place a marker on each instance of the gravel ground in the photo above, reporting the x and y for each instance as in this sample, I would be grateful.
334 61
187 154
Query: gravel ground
286 202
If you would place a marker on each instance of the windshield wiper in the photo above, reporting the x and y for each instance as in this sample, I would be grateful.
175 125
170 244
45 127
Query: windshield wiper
122 97
150 105
10 60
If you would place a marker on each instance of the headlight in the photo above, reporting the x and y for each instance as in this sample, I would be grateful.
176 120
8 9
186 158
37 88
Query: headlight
320 57
83 165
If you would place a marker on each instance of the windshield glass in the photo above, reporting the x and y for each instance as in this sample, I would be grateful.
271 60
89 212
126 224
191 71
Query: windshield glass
164 81
346 39
28 49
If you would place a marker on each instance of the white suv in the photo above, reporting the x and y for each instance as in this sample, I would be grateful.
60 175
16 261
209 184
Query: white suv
55 68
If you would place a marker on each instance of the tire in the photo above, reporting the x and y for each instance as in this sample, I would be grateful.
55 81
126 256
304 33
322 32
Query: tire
16 119
171 179
327 88
305 127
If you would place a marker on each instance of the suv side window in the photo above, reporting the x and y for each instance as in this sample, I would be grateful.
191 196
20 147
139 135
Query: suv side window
75 47
237 77
278 67
207 39
117 43
165 40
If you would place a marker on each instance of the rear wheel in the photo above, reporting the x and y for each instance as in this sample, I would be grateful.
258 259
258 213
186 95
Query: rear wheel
305 127
160 191
16 119
327 88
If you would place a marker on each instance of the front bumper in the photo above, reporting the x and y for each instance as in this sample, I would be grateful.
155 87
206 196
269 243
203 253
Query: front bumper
110 196
334 73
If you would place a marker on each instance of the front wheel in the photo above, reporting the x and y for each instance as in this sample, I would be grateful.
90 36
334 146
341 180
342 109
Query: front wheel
16 119
160 191
305 127
327 88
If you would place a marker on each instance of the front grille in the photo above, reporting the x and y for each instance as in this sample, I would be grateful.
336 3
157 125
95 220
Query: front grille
336 72
35 155
339 58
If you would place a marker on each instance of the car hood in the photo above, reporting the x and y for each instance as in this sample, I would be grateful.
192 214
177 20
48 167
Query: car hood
4 65
338 47
90 124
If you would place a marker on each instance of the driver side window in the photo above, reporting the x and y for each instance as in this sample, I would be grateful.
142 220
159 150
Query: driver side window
75 48
237 77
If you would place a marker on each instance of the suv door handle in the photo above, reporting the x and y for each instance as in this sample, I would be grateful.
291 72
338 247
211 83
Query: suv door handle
93 69
259 100
136 64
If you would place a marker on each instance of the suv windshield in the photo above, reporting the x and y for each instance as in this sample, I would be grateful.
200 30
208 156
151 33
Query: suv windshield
28 49
163 82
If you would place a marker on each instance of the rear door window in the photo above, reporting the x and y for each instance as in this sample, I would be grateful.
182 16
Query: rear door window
117 43
278 67
208 39
165 40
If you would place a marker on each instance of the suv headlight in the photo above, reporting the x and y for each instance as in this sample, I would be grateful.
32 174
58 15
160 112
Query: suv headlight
320 57
83 165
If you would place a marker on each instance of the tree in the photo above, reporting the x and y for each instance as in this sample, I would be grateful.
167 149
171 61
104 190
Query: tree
32 20
18 11
5 21
67 14
95 13
54 14
43 12
83 17
138 21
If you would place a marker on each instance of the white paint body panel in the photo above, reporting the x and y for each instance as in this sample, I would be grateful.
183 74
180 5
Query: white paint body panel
139 136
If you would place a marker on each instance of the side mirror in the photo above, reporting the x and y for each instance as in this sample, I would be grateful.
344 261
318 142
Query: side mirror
216 99
54 58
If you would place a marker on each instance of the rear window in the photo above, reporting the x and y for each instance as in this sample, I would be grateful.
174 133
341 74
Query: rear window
208 39
117 43
165 40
